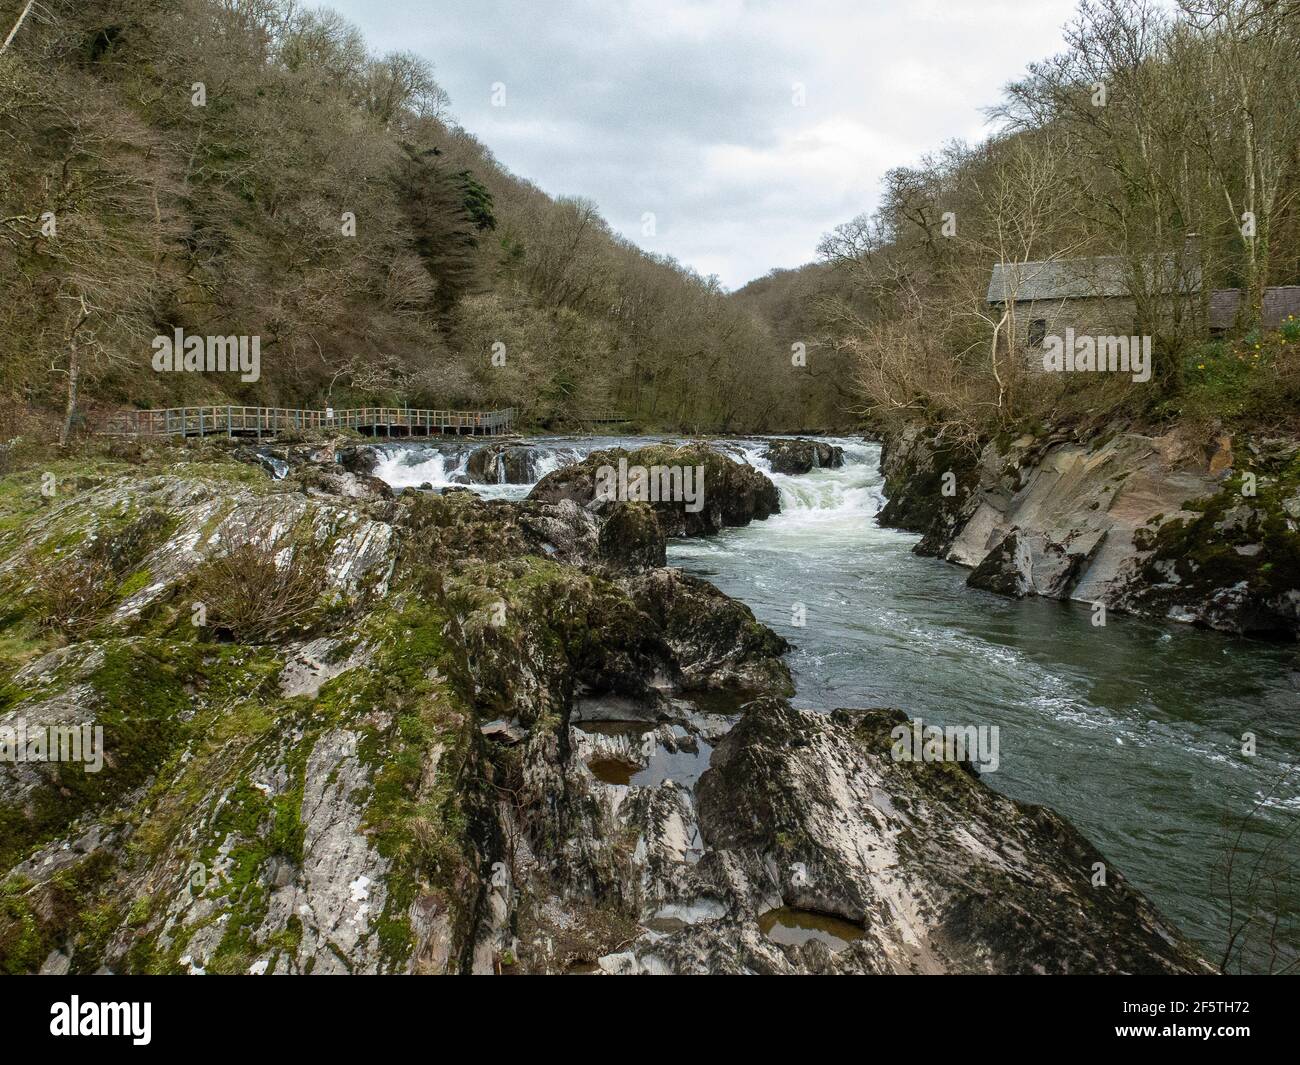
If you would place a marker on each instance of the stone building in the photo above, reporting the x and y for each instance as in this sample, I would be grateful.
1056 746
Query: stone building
1092 296
1280 303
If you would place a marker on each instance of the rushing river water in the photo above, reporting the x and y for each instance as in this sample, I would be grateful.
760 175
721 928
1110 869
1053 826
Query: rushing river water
1132 730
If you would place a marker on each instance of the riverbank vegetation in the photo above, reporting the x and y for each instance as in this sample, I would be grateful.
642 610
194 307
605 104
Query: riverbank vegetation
1157 136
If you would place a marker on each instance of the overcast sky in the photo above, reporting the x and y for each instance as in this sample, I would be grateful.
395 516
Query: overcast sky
686 109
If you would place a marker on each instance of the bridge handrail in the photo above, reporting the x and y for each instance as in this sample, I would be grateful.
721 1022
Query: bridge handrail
215 418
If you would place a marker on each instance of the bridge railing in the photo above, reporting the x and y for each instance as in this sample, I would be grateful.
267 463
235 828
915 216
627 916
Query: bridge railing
232 420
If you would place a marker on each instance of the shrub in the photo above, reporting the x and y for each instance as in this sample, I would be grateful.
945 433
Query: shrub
252 594
72 591
1255 380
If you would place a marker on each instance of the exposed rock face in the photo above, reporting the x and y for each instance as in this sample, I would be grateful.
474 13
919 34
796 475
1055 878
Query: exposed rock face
715 645
359 458
1029 563
458 524
926 481
631 535
733 492
342 882
928 870
1147 524
802 456
502 464
492 751
944 874
328 480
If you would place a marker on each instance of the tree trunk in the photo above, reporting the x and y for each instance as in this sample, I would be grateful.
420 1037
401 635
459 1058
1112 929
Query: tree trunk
17 26
74 375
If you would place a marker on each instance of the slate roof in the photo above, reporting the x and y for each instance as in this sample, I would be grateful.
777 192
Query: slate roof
1063 279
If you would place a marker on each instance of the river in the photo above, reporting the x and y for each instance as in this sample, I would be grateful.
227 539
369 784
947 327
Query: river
1133 731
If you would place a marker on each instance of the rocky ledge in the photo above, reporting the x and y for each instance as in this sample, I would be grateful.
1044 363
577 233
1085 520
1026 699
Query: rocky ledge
488 737
733 493
802 456
503 463
1205 531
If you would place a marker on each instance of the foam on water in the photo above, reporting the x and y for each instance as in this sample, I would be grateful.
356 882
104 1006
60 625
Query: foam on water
412 467
446 464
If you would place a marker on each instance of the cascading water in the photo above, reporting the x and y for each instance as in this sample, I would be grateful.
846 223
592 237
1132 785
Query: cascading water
1133 731
446 465
412 467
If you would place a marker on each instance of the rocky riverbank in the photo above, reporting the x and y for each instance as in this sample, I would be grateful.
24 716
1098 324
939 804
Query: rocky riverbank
1200 530
351 732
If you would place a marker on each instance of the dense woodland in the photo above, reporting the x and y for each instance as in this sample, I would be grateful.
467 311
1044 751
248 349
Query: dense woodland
127 211
1157 132
232 218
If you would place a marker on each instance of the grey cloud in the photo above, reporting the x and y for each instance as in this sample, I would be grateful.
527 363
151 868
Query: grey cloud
683 107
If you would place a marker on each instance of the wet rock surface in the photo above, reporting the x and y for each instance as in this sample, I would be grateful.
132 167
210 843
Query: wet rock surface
1194 530
508 739
732 494
915 868
802 456
358 458
502 464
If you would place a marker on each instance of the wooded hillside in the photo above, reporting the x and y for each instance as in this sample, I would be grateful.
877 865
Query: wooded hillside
1160 134
250 167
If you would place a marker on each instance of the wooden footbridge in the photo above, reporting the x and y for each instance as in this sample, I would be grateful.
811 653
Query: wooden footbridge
260 422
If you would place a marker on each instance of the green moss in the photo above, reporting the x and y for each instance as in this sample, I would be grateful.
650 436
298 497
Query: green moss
396 939
96 927
144 958
67 908
137 582
140 911
1202 551
139 699
21 640
24 944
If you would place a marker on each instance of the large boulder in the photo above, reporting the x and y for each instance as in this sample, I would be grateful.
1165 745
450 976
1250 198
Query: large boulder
732 493
941 873
796 843
358 458
457 524
927 481
1028 563
502 464
630 535
802 456
334 480
716 641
